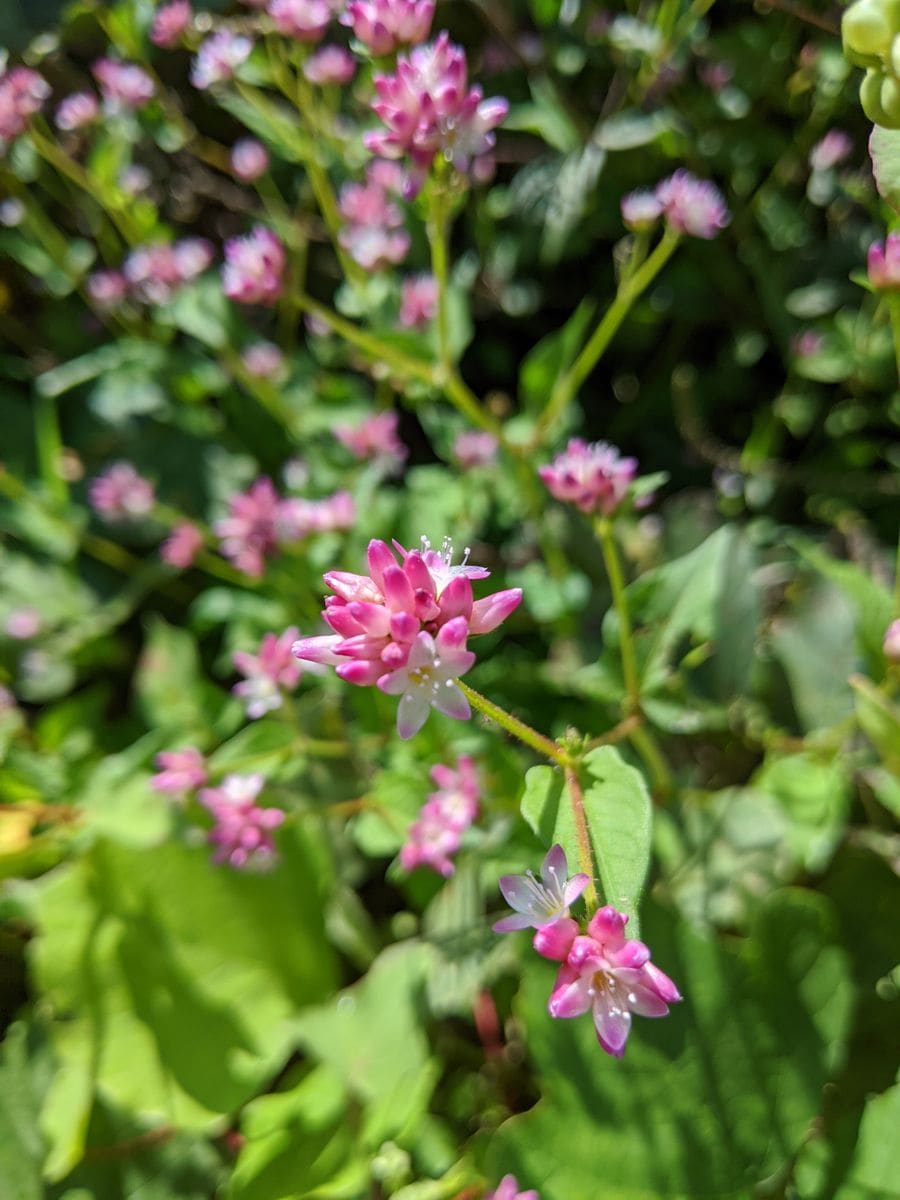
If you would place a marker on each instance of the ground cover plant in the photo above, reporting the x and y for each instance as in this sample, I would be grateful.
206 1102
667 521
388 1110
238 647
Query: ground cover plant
449 606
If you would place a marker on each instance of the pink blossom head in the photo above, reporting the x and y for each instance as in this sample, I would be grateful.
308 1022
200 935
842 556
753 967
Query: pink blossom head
371 234
692 206
537 904
254 267
242 833
249 534
833 148
123 84
219 57
641 210
22 92
76 111
892 642
298 518
23 624
383 26
475 448
249 159
330 65
170 22
155 271
375 437
107 288
182 545
264 360
303 20
593 476
508 1189
436 834
418 301
179 771
883 263
807 343
269 673
121 494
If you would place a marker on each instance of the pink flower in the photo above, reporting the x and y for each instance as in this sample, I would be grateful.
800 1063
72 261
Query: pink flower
268 673
474 448
641 210
120 493
249 159
716 75
107 288
692 206
180 771
388 627
298 518
156 271
892 642
508 1189
883 263
22 92
249 533
592 476
538 905
264 360
77 110
807 343
374 437
182 545
612 977
418 301
428 107
124 85
243 831
219 57
330 65
170 22
385 25
23 624
834 147
371 233
254 266
305 20
437 832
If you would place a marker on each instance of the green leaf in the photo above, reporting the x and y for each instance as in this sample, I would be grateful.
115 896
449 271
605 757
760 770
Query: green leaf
21 1144
814 643
271 122
169 686
201 309
884 147
553 354
879 720
709 1101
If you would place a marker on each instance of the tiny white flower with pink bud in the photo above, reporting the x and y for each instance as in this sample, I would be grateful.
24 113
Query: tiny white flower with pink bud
22 92
418 301
437 832
170 23
264 360
475 448
120 493
304 20
539 904
249 159
692 206
833 148
883 263
123 84
250 531
592 476
254 267
428 680
182 545
892 642
76 111
641 210
374 438
179 771
330 65
269 673
23 624
219 57
242 833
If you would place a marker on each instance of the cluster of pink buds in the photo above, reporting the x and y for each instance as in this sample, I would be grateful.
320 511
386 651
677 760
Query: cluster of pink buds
689 205
303 20
219 57
269 673
429 109
508 1189
373 233
121 494
170 22
124 85
591 475
179 771
833 148
404 628
374 438
299 517
330 65
883 263
107 289
259 520
154 273
383 26
23 624
264 360
437 831
474 448
249 159
242 833
76 111
254 267
182 545
600 972
418 301
22 92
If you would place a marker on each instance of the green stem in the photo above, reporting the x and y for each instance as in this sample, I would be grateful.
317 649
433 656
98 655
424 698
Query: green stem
515 727
620 603
894 309
631 288
582 835
437 240
49 448
648 748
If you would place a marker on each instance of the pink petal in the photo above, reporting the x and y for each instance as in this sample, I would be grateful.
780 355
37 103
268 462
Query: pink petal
613 1025
555 941
412 713
512 923
450 701
571 995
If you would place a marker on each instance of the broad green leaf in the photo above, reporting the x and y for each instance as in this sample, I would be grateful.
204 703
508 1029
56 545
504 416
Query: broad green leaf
879 720
884 147
551 356
169 686
22 1079
814 643
202 310
872 600
815 797
125 352
709 1101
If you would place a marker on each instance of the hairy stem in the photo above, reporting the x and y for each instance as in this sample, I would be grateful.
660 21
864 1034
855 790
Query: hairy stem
582 835
515 727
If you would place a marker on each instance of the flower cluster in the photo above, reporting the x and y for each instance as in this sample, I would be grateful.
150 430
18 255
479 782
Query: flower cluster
170 22
120 494
264 360
891 644
219 57
76 111
22 92
404 627
473 448
375 438
437 831
372 233
591 475
242 833
179 771
123 85
330 65
299 517
689 205
303 20
269 673
182 545
831 150
249 159
428 108
254 266
600 971
153 273
508 1189
883 263
418 301
383 26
